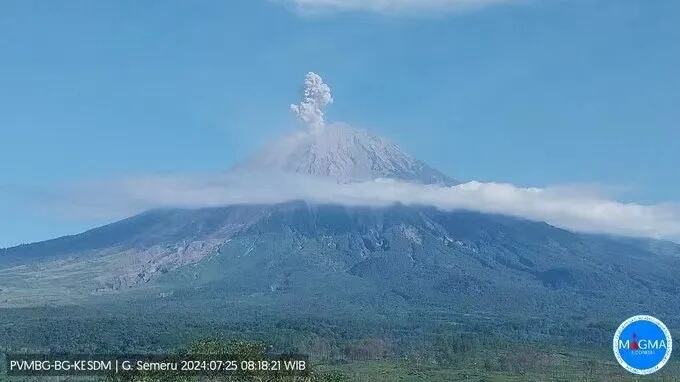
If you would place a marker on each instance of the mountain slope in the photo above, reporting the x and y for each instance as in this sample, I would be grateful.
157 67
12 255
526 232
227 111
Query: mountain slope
346 155
143 231
419 257
399 257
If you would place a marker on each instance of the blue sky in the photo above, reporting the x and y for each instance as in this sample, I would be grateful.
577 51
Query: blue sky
534 93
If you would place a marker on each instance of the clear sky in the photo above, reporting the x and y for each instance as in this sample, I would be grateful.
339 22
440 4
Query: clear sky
533 93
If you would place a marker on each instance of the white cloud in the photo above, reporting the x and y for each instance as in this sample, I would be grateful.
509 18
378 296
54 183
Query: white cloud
568 208
389 6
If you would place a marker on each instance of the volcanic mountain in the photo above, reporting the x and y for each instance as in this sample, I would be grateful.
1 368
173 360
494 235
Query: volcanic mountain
392 259
346 155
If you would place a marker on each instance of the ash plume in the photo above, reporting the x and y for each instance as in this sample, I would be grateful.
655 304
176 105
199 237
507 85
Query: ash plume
316 96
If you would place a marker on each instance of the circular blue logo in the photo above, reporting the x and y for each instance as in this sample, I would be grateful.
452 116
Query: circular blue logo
642 344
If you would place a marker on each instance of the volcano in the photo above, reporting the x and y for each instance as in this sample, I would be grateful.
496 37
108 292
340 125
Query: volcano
393 259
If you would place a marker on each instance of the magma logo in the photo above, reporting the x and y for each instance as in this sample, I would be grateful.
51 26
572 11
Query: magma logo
642 344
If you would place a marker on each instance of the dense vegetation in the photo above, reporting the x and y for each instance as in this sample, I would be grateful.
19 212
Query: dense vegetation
372 347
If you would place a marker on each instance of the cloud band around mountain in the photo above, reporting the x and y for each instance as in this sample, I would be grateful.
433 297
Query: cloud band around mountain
569 208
